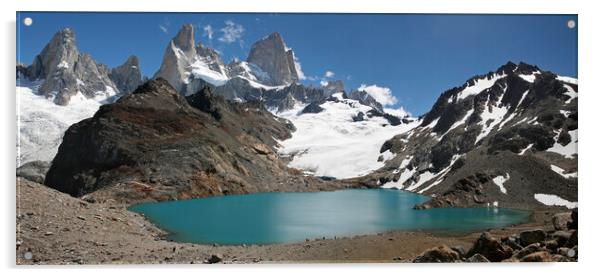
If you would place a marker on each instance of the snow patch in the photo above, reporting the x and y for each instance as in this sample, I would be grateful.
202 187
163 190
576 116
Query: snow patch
479 86
569 150
500 180
554 200
200 70
62 64
571 93
566 79
561 171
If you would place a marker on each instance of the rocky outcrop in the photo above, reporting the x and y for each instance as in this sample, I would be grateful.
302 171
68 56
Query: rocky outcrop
534 245
34 171
127 77
156 144
272 56
312 108
331 87
366 99
65 71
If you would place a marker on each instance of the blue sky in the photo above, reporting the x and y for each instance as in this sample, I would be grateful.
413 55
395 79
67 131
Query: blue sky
416 56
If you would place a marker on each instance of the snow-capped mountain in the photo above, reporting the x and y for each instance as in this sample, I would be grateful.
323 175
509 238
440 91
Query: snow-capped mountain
61 87
507 136
269 74
66 72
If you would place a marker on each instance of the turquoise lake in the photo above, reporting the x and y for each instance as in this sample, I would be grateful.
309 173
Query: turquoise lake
266 218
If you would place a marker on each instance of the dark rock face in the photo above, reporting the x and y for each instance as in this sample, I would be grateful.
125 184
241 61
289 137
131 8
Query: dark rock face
272 56
127 77
34 171
312 108
366 99
156 145
66 71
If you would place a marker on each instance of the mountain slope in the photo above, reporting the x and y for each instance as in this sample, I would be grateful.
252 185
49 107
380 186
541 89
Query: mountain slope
157 144
506 138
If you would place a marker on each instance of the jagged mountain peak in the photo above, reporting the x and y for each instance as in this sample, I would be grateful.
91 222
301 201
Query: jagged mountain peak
184 39
127 76
273 57
64 72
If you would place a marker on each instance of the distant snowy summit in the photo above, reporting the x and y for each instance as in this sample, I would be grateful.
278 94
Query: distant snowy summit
64 72
268 75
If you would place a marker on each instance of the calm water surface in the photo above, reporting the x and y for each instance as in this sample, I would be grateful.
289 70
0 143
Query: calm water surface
265 218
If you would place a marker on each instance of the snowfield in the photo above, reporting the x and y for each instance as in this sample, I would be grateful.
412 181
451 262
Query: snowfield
329 143
42 123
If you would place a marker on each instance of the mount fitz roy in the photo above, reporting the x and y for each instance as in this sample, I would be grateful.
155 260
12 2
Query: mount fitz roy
202 127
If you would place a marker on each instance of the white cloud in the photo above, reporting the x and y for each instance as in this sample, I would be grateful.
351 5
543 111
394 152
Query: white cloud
381 94
329 74
323 83
231 32
300 73
208 31
400 112
164 27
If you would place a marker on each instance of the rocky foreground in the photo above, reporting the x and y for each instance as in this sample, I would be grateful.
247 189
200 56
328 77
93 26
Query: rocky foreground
537 245
56 228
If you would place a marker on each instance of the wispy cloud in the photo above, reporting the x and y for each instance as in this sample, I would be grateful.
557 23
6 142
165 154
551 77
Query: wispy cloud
164 27
383 95
232 32
208 31
298 68
328 74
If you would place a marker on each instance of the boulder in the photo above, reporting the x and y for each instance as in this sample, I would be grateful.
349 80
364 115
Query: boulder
572 241
34 171
512 242
528 250
440 254
532 236
561 236
215 258
541 256
561 220
491 248
477 258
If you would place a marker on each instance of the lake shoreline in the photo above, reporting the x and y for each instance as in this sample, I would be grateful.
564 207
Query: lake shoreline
59 229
